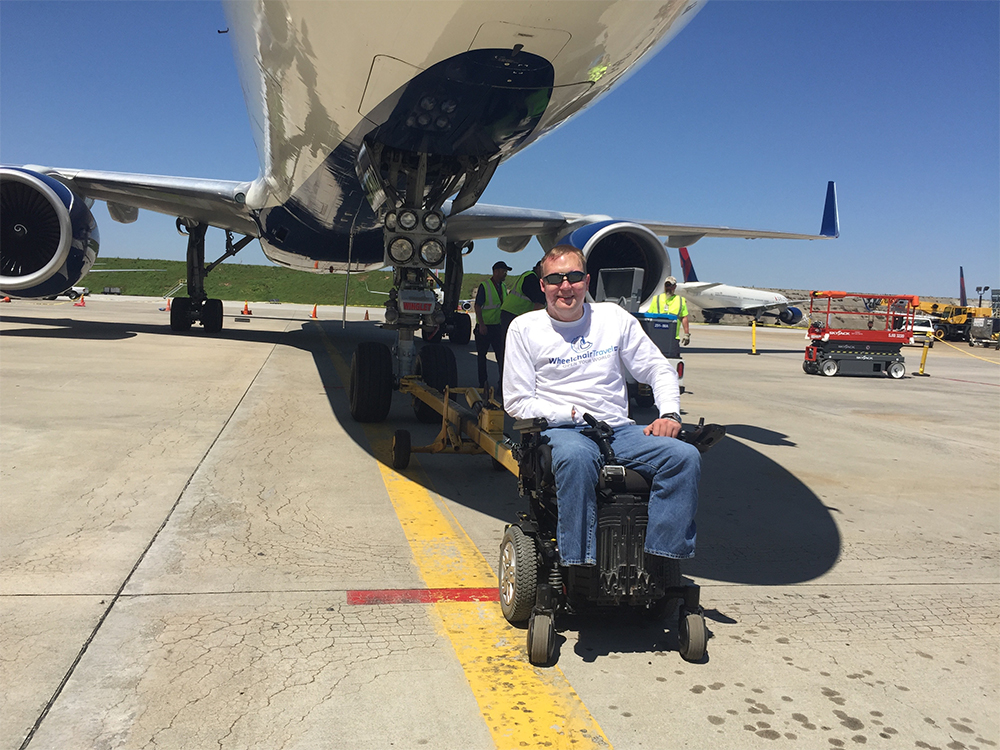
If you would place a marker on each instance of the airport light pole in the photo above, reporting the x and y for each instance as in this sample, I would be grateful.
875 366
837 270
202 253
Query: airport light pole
981 290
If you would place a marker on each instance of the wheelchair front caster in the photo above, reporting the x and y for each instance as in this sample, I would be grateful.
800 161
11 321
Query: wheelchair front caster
541 638
692 635
400 450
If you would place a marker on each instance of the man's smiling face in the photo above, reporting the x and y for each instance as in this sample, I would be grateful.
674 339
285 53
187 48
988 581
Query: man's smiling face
564 301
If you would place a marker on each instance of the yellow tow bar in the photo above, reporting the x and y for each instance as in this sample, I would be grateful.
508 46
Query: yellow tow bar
470 428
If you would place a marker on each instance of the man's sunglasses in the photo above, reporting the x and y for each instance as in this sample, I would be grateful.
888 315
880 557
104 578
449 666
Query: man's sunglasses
555 279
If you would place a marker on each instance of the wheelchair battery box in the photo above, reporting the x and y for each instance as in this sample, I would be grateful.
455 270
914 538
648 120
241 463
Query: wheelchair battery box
625 572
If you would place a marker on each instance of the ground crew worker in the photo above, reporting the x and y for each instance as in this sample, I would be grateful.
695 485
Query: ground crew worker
525 295
673 306
489 332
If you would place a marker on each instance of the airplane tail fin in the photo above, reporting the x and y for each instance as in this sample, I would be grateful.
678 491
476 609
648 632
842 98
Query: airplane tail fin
962 299
687 266
831 217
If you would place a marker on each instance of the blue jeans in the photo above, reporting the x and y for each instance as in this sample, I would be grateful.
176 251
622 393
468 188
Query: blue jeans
672 468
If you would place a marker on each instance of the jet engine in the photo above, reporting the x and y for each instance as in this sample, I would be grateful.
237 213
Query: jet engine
622 244
790 316
48 236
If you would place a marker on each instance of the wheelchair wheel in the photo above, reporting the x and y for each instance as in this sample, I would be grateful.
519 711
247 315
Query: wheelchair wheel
692 635
541 638
401 449
518 575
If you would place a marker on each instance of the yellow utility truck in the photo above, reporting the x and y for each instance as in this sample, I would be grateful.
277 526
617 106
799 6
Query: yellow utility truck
952 322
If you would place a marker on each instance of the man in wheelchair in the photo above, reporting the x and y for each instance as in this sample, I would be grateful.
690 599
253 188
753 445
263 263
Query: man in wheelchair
567 361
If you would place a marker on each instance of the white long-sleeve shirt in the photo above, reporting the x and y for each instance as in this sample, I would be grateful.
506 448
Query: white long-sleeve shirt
552 367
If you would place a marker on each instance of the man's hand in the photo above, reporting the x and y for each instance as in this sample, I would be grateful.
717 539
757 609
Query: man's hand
685 339
663 428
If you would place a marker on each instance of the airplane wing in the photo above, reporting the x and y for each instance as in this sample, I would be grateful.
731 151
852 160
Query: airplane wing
219 203
223 204
483 221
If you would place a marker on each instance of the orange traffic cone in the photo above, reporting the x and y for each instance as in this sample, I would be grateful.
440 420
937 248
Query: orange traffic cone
313 312
82 302
168 304
366 315
246 308
6 299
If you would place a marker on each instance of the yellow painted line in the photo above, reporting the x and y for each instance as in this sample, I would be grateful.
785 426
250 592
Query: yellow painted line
523 706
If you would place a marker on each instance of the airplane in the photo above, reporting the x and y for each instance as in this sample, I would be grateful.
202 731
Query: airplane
378 126
715 299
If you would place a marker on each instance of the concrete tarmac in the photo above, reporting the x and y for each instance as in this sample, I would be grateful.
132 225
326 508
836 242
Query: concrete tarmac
190 525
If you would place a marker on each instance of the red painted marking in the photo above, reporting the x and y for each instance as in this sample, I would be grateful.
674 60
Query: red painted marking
422 596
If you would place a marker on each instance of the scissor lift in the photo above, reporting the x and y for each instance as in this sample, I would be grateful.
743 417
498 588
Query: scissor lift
871 349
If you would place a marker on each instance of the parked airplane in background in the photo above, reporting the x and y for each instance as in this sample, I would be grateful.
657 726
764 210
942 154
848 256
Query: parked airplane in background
378 127
716 300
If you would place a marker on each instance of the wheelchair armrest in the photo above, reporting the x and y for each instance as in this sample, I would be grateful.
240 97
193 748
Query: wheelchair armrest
704 436
532 424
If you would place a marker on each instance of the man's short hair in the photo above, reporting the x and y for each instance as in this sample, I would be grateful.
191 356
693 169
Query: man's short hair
560 250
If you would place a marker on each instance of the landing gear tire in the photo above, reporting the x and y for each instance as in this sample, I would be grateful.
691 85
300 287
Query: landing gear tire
518 575
180 314
371 382
829 367
400 449
541 638
461 329
211 315
896 370
692 635
435 365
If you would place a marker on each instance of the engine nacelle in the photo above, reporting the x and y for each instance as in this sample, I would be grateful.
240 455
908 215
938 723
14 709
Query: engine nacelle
48 236
622 244
790 316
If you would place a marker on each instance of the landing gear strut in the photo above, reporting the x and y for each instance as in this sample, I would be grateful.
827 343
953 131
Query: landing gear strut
197 306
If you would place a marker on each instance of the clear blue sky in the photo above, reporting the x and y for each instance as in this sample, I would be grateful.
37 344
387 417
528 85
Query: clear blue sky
741 120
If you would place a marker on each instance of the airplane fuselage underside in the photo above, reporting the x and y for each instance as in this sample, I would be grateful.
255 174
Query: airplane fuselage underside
342 123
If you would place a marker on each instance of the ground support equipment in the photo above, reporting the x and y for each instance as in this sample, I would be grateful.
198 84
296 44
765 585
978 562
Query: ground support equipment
471 428
871 346
983 332
662 331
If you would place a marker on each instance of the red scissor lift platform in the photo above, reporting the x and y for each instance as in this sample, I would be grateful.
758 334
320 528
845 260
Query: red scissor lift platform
871 349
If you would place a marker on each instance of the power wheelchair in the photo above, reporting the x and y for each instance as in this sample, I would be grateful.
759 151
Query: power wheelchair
535 586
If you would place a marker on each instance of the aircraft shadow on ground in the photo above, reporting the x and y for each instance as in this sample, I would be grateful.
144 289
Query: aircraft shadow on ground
757 523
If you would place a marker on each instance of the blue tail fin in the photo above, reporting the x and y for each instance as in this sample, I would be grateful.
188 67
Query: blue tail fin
831 217
962 299
687 266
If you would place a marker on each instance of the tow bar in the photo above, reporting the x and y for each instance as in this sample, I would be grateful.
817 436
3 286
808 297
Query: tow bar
470 428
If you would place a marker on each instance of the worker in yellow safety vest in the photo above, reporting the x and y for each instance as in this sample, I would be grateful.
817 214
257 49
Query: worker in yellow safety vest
489 331
673 306
525 295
